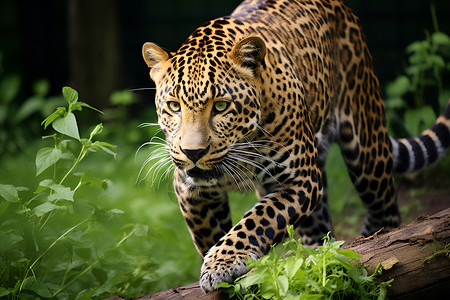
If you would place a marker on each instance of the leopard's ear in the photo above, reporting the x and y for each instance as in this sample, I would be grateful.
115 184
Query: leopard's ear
154 57
248 55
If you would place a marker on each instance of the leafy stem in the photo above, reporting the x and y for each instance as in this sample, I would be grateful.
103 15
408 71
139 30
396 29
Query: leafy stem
92 265
80 157
30 268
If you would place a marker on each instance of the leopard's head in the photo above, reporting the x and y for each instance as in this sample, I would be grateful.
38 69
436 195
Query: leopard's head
207 99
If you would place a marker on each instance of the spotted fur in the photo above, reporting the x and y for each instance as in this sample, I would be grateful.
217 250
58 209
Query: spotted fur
252 101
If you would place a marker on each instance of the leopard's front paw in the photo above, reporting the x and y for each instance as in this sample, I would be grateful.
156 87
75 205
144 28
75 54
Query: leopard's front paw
218 267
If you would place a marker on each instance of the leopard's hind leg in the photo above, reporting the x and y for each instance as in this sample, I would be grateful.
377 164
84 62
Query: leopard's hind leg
367 151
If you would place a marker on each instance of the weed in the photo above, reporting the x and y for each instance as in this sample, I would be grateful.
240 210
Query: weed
438 249
52 242
410 108
293 271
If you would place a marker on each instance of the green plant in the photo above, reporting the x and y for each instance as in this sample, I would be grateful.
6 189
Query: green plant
294 271
438 249
53 243
415 98
15 112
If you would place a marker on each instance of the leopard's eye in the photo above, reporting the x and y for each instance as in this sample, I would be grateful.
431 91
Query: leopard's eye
174 106
221 106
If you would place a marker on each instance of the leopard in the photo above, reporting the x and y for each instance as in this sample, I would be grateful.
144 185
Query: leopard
251 102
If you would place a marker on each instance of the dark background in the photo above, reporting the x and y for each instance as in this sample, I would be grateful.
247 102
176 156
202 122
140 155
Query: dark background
95 46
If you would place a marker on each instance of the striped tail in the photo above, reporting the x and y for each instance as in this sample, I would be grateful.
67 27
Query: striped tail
413 154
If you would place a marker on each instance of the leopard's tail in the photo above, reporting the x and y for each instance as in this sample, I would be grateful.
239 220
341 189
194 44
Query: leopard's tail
413 154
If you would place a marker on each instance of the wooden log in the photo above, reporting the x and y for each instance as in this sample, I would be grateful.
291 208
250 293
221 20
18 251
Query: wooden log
401 252
189 292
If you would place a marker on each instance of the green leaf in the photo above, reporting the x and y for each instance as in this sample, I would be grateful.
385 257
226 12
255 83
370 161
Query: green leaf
60 192
29 107
88 106
92 181
97 130
41 87
283 284
141 230
68 155
268 290
9 192
394 103
440 39
312 297
79 106
292 266
417 120
67 125
43 185
47 157
70 95
116 211
44 208
4 292
3 207
436 61
84 253
224 285
352 255
9 87
100 275
399 87
55 115
258 276
418 47
106 148
86 295
123 97
292 297
32 284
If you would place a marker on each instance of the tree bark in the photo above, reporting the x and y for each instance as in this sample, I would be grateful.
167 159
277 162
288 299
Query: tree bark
94 50
401 252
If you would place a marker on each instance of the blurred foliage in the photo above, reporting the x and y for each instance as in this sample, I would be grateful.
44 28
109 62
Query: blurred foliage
415 98
16 114
63 238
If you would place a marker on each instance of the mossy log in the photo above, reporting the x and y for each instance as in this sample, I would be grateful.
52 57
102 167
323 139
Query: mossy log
407 254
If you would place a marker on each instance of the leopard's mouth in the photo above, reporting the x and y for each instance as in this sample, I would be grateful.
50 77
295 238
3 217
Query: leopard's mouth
200 174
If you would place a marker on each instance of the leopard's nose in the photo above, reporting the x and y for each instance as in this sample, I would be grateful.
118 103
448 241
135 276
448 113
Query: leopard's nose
195 154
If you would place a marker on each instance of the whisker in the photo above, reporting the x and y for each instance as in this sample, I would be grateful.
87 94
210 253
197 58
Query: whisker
141 89
246 175
232 172
160 155
263 144
142 125
250 188
158 145
162 141
255 155
155 169
254 164
226 170
262 129
163 166
169 170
